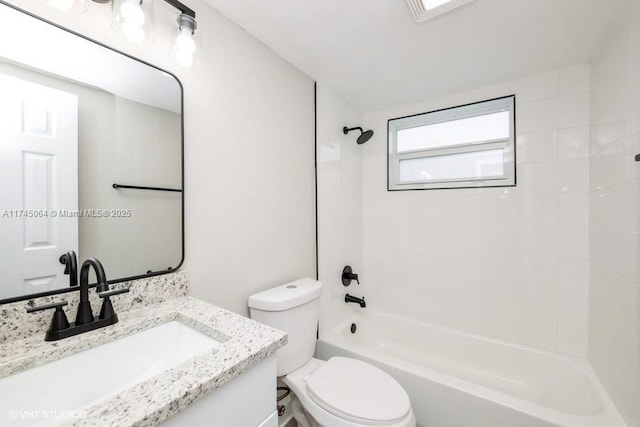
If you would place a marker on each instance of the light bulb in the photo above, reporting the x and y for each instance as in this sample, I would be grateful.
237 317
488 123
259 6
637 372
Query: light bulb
131 13
185 47
185 42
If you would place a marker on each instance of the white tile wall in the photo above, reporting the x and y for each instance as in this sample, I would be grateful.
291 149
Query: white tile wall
511 263
553 263
614 294
339 204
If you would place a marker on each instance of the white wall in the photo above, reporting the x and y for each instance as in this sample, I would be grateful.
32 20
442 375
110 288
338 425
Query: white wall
614 300
509 263
250 212
249 152
339 204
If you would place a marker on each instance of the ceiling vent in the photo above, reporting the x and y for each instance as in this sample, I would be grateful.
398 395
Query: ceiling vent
424 10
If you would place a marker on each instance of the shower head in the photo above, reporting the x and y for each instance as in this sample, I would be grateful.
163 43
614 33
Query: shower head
365 135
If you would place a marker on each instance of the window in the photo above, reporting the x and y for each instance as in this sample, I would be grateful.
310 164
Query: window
468 146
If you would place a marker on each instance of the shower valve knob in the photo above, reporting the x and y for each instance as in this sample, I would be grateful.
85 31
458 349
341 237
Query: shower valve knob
348 275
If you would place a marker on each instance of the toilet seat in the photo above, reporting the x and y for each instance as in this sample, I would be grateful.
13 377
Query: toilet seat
345 392
357 391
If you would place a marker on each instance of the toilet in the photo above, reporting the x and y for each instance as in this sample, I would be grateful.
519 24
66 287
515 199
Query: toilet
341 392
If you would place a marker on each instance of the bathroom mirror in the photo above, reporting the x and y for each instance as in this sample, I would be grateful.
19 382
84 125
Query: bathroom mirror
80 124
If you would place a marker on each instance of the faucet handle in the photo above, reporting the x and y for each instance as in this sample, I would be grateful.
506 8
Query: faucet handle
348 275
107 294
59 320
107 311
56 305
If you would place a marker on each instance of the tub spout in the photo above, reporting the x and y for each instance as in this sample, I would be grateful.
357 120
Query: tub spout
351 298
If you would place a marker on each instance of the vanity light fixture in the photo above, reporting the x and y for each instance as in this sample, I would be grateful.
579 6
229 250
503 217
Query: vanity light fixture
424 10
133 19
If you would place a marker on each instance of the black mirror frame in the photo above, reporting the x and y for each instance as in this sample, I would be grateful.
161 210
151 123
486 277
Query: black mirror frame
182 227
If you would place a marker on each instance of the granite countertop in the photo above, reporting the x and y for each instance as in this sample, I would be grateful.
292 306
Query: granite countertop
244 344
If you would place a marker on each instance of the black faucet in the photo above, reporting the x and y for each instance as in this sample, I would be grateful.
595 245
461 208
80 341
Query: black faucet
85 314
60 327
351 298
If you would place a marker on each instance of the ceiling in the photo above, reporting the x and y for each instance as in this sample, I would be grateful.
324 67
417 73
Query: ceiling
374 55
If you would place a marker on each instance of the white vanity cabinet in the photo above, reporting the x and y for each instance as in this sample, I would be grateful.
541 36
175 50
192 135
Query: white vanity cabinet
247 400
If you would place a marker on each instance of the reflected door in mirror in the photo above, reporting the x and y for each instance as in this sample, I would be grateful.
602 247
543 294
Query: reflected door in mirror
39 172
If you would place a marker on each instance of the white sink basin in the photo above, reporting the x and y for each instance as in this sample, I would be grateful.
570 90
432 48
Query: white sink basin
58 391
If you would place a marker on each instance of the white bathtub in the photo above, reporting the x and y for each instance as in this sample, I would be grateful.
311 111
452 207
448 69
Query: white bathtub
457 379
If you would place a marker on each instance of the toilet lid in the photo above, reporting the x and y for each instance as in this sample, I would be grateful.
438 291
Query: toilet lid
357 391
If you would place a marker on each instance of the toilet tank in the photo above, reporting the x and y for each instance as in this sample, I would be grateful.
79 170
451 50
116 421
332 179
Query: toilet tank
295 309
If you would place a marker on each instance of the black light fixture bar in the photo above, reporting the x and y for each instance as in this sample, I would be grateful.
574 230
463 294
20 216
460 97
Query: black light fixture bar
182 8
